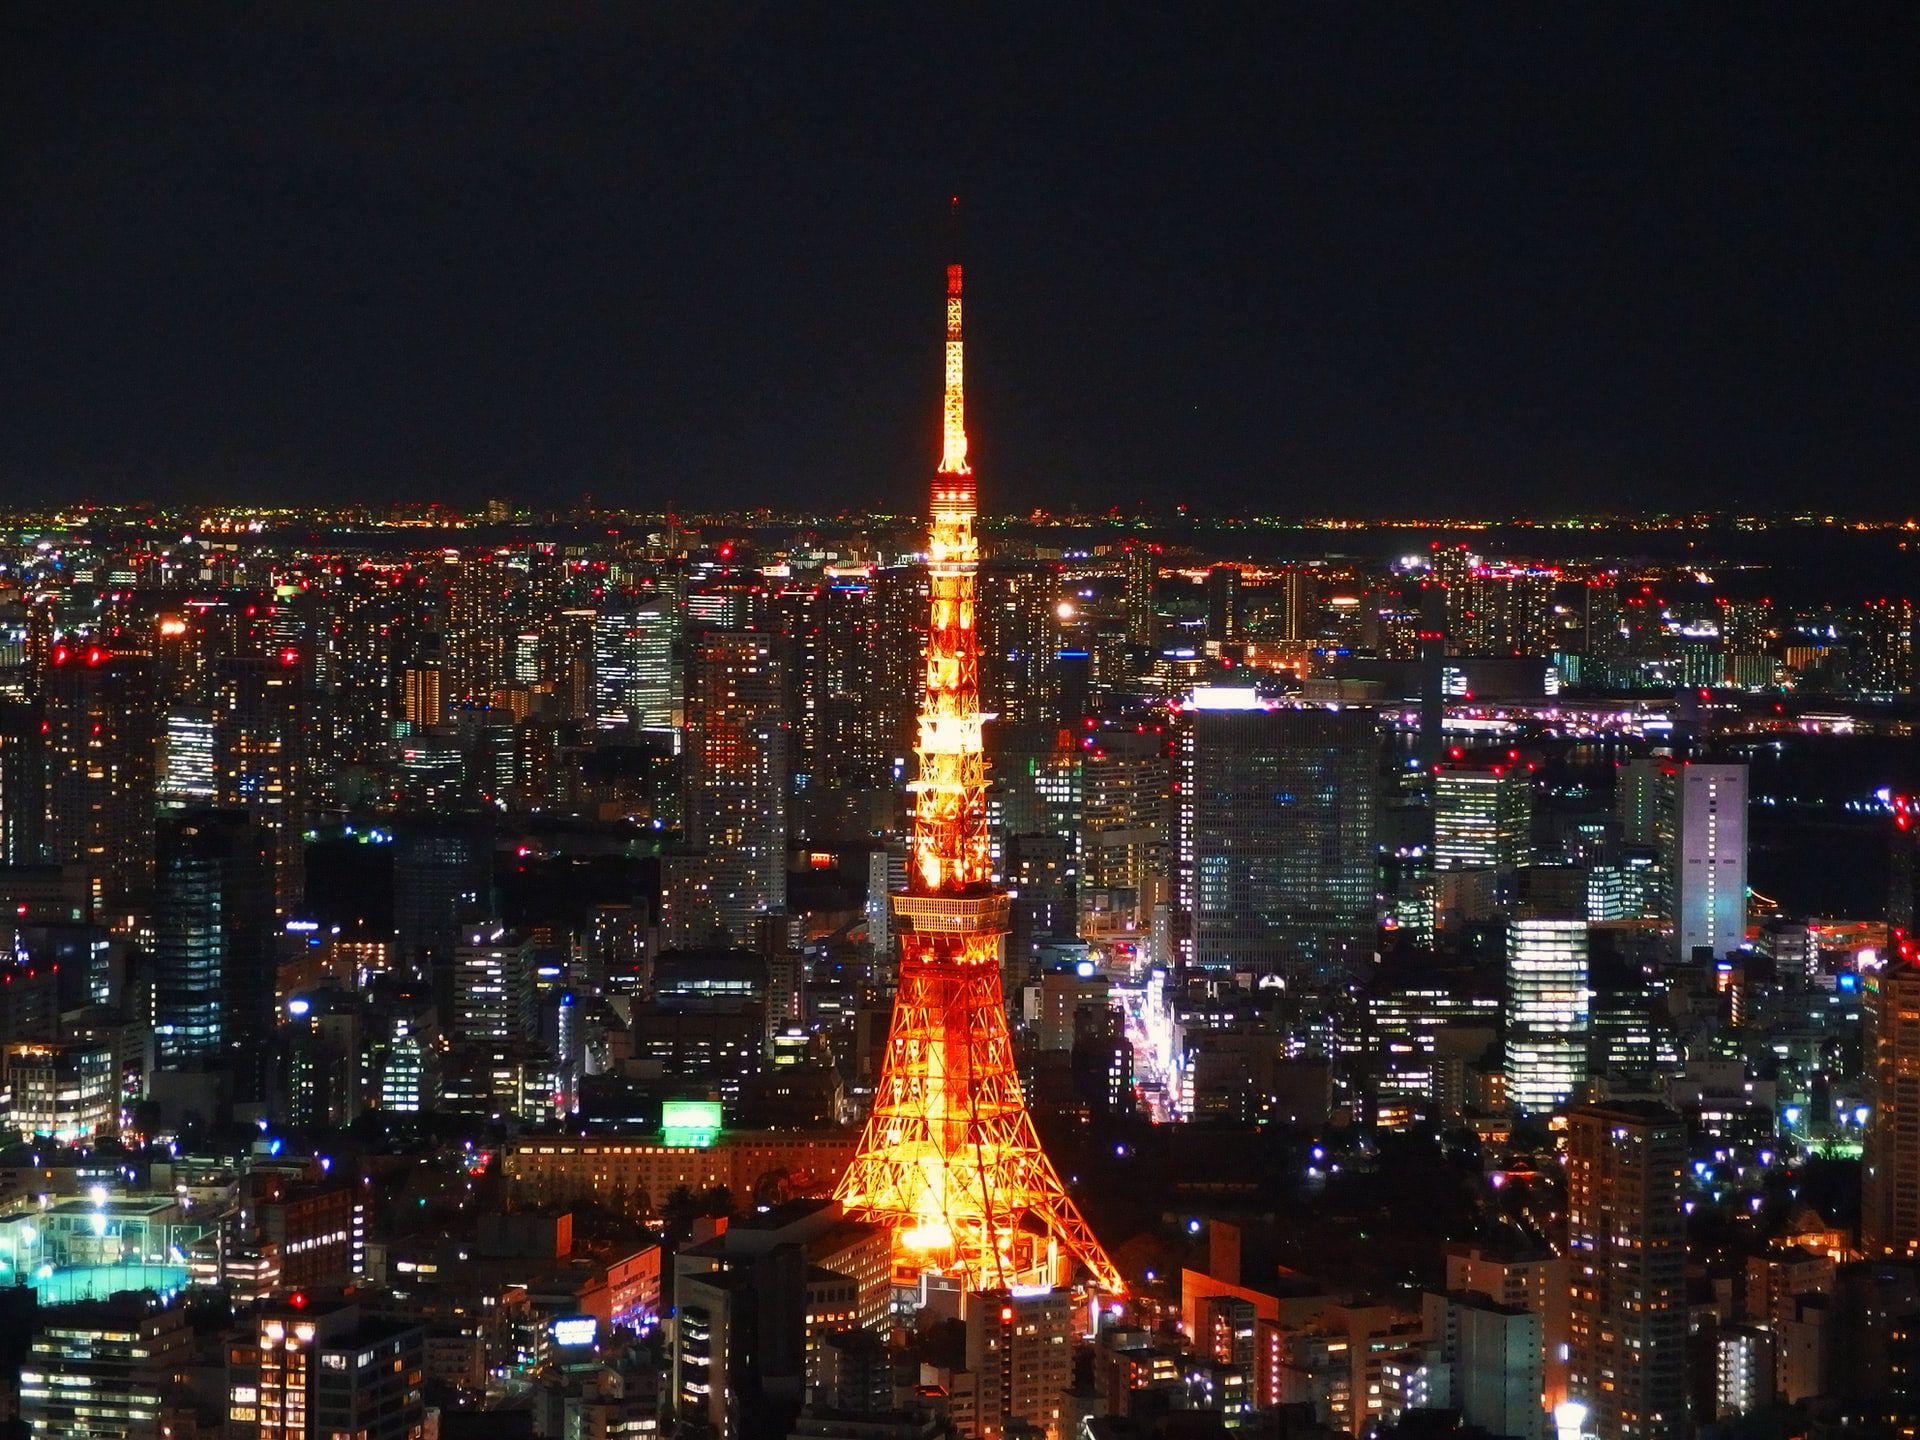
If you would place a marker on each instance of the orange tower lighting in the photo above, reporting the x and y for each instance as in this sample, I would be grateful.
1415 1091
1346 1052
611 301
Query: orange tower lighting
949 1158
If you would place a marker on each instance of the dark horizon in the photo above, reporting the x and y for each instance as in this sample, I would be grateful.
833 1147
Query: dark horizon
1364 261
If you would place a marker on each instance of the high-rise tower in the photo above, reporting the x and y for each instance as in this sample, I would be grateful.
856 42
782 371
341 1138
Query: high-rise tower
950 1160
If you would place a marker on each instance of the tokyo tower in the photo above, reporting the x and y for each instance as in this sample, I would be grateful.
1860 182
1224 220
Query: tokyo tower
949 1158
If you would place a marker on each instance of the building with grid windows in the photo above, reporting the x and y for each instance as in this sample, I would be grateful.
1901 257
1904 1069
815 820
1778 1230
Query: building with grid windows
1707 859
1482 813
1547 1013
1274 820
1626 1243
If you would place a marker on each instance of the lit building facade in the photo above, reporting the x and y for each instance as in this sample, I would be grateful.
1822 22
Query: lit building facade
1890 1175
633 671
737 755
1482 814
1547 1013
313 1369
103 1368
214 939
1707 859
1275 819
1626 1235
69 1093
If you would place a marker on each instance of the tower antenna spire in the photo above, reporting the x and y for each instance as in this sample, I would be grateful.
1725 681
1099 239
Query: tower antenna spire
953 418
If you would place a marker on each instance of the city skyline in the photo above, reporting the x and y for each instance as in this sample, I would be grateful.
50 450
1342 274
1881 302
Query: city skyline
550 964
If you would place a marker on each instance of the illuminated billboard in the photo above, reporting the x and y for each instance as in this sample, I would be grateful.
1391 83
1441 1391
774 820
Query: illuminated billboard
690 1122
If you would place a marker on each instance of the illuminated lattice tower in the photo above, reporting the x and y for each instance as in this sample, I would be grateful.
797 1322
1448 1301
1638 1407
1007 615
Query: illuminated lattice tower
950 1158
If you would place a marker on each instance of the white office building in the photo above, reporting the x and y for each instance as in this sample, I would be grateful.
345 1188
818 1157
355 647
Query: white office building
1547 1013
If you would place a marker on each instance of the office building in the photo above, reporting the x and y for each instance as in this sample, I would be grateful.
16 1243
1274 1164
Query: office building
442 879
1626 1236
104 1369
633 670
66 1092
214 940
492 985
1706 858
1547 1013
188 765
1643 798
1482 812
1274 825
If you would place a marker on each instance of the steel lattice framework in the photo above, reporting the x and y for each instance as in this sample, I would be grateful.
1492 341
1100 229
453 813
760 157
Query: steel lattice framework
950 1158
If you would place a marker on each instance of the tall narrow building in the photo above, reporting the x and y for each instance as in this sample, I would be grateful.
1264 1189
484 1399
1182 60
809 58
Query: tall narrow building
1706 858
949 1160
213 962
1627 1248
1890 1169
476 611
736 802
98 747
1547 1015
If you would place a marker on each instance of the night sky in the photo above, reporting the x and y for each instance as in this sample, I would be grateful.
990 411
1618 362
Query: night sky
1302 258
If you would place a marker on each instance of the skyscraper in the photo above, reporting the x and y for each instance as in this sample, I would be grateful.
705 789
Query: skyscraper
99 754
1224 606
1019 627
1274 825
633 685
1884 667
260 718
1890 1172
1482 812
1903 876
189 764
214 930
736 812
1547 1012
1642 796
476 609
1706 858
1626 1236
1142 582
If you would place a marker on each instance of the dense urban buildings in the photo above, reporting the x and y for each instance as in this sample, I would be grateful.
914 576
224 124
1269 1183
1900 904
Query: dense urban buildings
498 945
584 964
